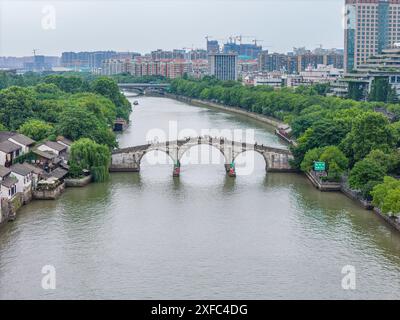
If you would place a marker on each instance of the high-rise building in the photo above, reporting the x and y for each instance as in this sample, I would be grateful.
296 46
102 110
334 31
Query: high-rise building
212 46
370 27
89 60
224 66
243 49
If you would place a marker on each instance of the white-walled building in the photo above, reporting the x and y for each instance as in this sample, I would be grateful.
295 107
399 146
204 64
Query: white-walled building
24 176
13 145
23 141
54 147
8 184
8 152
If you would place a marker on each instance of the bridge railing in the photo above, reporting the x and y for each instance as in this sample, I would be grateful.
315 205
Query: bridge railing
203 140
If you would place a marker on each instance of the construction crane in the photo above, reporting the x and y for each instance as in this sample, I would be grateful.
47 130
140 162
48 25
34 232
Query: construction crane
207 37
240 38
232 39
34 52
257 40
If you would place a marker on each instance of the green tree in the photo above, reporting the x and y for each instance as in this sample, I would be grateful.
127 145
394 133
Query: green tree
332 155
76 122
381 90
16 105
70 84
336 162
356 91
391 205
380 190
389 161
87 154
364 171
108 88
310 157
36 129
370 131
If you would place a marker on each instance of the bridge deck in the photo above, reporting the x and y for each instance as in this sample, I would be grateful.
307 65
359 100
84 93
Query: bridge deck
203 140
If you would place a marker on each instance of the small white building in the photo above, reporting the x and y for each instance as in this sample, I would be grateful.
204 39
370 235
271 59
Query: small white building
24 175
13 145
54 147
23 141
37 174
8 152
8 184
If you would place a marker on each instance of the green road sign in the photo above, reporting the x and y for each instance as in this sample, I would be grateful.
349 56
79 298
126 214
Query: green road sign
319 166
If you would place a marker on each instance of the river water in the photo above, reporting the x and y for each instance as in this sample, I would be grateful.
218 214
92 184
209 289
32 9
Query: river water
204 235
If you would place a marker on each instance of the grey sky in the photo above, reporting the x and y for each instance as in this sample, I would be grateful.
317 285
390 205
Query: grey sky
145 25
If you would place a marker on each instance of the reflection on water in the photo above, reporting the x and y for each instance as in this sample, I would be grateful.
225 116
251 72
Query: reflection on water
204 235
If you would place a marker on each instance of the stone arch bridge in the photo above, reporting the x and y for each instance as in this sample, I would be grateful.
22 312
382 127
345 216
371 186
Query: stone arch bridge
128 159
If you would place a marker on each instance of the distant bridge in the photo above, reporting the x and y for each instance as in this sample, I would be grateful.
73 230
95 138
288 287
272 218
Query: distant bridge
128 159
142 88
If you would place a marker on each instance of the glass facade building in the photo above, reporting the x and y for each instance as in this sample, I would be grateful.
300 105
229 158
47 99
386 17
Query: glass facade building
370 27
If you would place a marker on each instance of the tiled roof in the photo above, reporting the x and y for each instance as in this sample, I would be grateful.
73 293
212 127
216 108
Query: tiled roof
5 135
58 173
45 154
21 169
64 140
34 169
4 171
55 145
8 146
9 181
20 138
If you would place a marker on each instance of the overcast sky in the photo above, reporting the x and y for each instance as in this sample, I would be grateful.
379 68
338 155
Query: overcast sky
145 25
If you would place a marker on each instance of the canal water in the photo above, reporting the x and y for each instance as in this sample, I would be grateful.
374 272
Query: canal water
204 235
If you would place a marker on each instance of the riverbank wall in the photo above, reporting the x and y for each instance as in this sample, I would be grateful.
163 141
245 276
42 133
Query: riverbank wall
77 183
50 194
322 186
10 207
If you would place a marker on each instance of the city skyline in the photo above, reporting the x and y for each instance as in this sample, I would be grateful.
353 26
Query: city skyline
58 26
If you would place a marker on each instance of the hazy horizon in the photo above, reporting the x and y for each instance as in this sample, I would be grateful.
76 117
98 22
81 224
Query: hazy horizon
142 26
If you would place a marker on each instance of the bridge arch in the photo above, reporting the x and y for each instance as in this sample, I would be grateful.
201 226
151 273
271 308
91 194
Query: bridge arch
212 146
156 149
266 160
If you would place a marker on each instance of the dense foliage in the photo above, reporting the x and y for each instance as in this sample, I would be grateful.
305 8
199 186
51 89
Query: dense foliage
68 105
89 155
386 196
36 129
81 108
336 161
